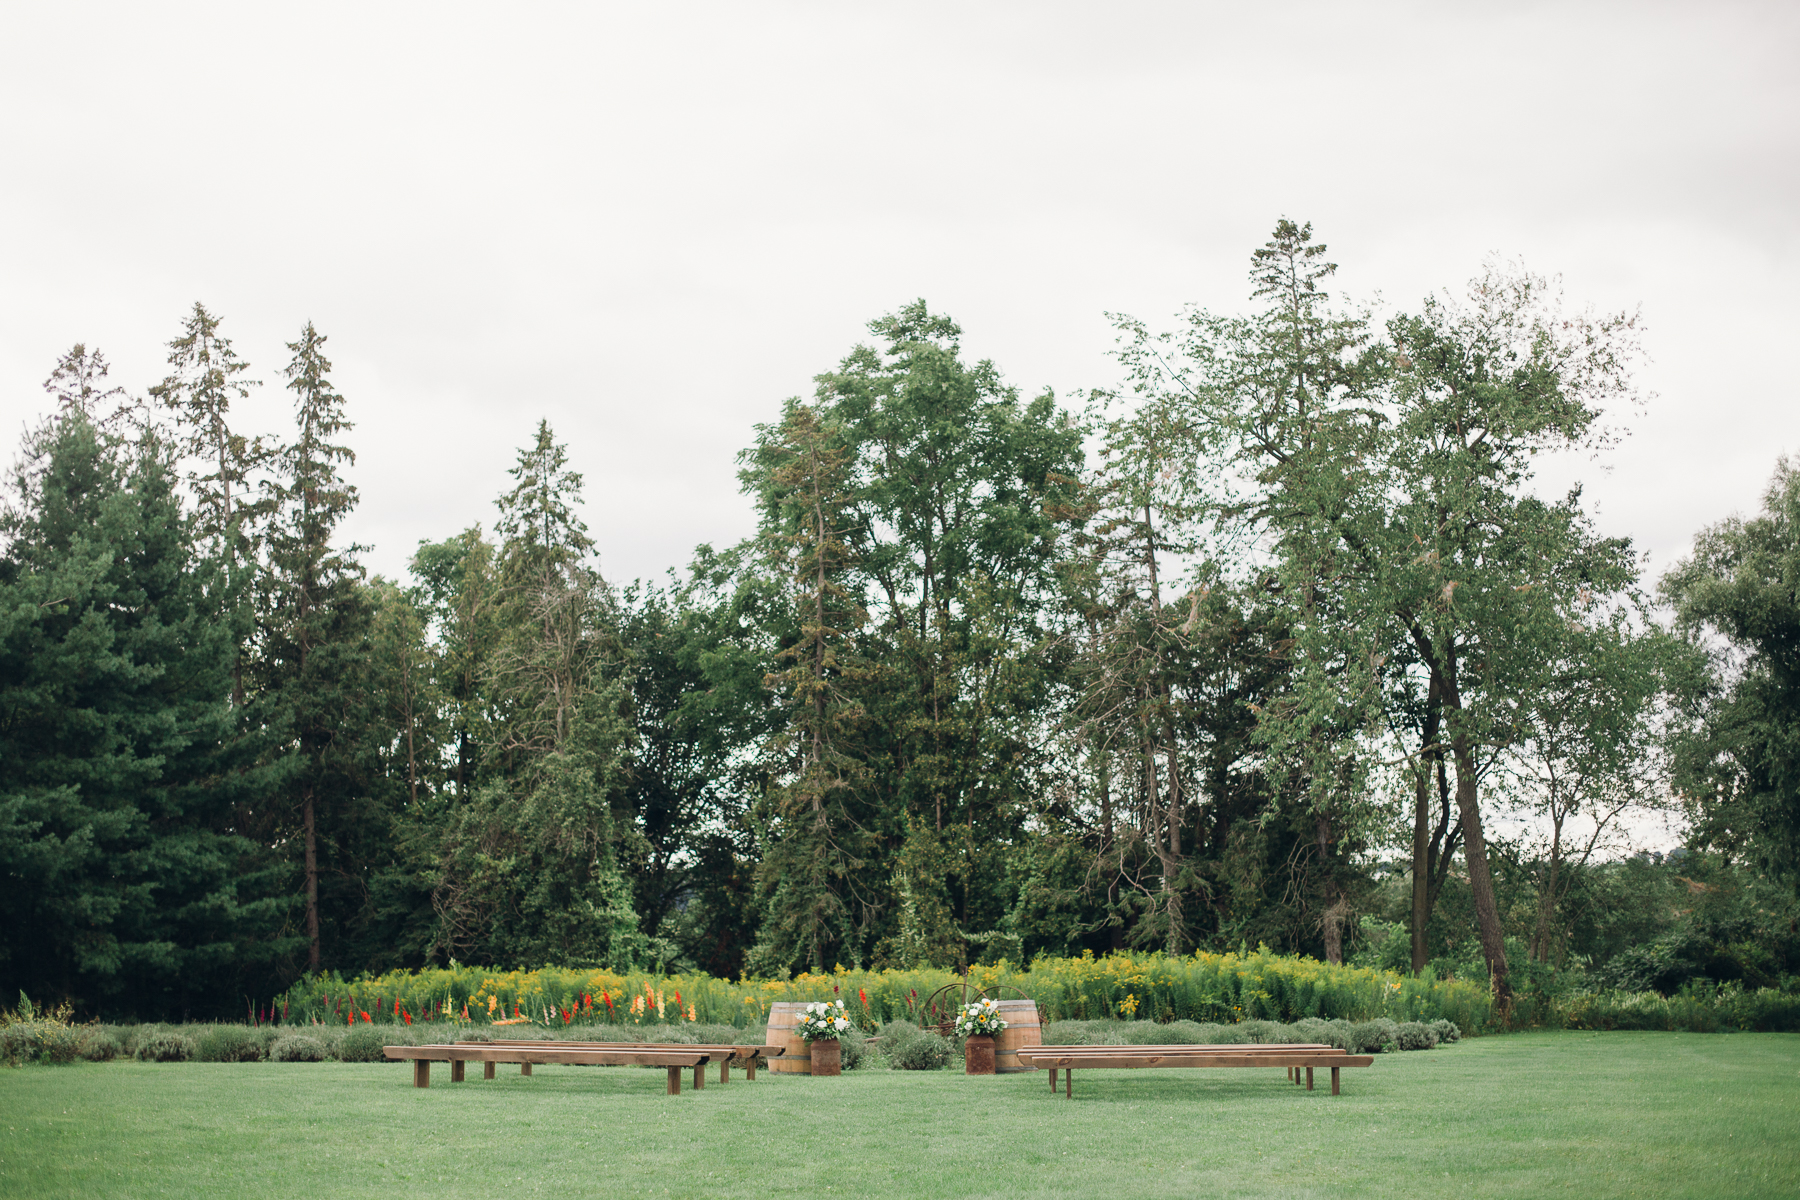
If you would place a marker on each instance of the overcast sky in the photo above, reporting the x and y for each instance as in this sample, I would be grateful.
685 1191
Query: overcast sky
650 223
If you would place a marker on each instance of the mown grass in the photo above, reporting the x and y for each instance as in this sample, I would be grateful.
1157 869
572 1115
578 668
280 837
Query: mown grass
1555 1114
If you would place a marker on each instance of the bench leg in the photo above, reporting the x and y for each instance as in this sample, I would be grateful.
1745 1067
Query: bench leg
1296 1076
1068 1083
699 1076
456 1071
725 1069
421 1072
1334 1081
1053 1081
1309 1079
674 1081
487 1069
750 1069
524 1068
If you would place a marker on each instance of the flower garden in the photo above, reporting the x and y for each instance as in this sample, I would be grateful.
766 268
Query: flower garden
1212 988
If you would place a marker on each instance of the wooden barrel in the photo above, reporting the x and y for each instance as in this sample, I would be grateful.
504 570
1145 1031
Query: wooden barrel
783 1016
1022 1029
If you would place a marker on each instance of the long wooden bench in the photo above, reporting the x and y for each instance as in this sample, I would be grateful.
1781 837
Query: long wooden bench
1295 1058
675 1059
724 1052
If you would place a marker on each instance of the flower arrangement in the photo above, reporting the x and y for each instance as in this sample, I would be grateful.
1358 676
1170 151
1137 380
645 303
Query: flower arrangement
821 1021
980 1019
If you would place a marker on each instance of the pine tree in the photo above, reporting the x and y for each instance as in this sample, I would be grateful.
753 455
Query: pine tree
813 845
314 623
529 864
129 889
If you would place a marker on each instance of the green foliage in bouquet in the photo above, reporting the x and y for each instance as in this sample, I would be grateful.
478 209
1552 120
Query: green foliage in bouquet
822 1020
980 1019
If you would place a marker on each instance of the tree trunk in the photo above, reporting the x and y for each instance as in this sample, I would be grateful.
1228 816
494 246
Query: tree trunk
1481 882
312 887
1423 894
1549 882
1333 928
1421 867
1331 923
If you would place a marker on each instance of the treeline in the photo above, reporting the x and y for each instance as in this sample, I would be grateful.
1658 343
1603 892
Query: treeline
1254 649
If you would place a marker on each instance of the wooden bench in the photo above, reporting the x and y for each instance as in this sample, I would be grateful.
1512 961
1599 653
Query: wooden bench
488 1053
1295 1058
724 1052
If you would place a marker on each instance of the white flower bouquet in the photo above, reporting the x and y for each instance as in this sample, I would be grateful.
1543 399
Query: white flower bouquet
980 1019
822 1020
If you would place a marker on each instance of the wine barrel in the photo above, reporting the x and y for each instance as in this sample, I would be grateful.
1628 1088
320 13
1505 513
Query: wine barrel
783 1016
1022 1029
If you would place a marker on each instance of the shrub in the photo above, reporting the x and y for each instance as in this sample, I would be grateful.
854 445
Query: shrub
97 1045
1063 1033
1373 1037
921 1051
1263 1032
231 1043
166 1047
1415 1035
854 1049
1446 1031
297 1047
38 1041
909 1048
1326 1033
135 1036
361 1045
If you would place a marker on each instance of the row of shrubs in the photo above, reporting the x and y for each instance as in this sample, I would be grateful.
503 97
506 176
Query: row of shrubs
52 1041
1203 987
901 1045
1696 1008
1381 1035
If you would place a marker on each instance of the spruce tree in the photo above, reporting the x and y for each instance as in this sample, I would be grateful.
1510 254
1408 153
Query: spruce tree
314 630
129 890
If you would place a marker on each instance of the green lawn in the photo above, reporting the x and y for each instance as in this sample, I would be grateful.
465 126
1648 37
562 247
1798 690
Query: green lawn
1558 1114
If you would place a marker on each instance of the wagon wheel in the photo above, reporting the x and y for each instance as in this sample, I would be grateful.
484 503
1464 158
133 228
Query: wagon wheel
941 1010
944 1019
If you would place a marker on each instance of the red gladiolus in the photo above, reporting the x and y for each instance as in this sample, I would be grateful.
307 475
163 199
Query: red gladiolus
408 1017
365 1017
465 1012
396 1006
677 997
863 996
834 989
566 1017
515 1008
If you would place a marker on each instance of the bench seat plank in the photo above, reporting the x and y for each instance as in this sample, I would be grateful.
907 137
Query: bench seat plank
724 1051
1093 1062
673 1061
1295 1059
1237 1048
